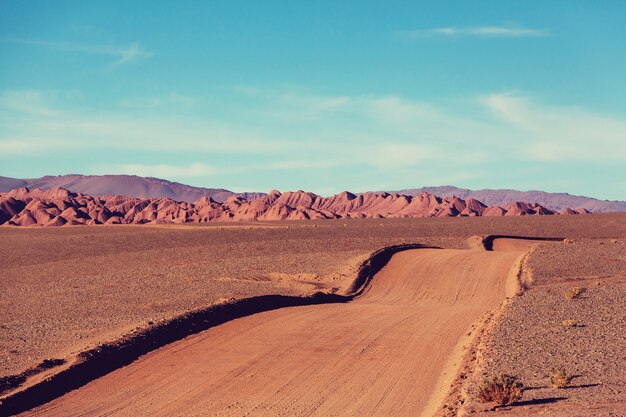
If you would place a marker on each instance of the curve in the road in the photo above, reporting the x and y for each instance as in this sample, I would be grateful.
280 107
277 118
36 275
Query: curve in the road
380 354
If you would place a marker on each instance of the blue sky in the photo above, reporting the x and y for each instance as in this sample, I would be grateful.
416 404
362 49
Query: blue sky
318 95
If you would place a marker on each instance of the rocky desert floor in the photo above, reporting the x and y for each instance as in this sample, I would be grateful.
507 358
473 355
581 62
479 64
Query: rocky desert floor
67 290
543 329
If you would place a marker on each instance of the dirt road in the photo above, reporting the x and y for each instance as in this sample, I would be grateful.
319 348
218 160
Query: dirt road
391 351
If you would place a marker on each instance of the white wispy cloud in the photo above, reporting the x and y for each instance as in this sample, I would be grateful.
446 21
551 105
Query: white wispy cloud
154 102
17 147
290 135
389 155
558 133
479 31
26 101
122 54
197 169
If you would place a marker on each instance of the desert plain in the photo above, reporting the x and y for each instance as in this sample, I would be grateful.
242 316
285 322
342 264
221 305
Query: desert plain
464 298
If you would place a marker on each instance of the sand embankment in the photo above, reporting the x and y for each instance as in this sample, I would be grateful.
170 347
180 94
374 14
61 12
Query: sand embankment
381 354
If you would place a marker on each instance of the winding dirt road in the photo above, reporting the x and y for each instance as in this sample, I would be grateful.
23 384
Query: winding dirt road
391 352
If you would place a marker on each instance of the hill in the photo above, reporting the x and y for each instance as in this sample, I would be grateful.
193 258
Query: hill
58 207
125 185
148 187
553 201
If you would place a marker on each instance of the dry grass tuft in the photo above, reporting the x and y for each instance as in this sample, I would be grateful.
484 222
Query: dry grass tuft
570 323
501 388
575 292
560 378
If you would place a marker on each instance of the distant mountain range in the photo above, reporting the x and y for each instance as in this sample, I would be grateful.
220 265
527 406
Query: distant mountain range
147 187
499 197
125 185
59 207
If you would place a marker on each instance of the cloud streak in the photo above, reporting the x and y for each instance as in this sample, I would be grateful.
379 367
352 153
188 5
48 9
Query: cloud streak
476 32
123 54
558 133
194 170
29 102
284 138
376 131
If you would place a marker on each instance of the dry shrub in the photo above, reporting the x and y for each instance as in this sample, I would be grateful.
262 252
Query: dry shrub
501 388
568 241
575 292
570 323
560 378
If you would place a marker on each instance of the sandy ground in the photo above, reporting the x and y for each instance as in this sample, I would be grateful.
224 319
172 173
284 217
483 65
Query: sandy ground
530 338
372 356
65 290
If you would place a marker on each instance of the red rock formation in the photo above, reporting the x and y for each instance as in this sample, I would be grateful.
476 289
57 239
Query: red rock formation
59 207
494 211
